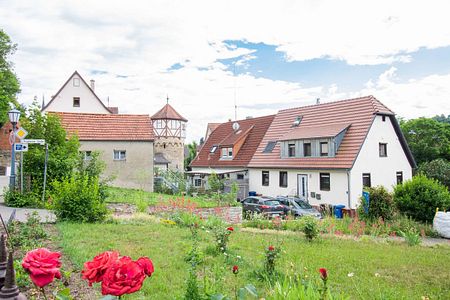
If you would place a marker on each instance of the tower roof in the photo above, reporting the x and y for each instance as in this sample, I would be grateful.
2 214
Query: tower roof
168 112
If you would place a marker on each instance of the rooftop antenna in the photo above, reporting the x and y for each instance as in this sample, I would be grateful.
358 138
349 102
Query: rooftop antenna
43 100
235 103
167 98
108 101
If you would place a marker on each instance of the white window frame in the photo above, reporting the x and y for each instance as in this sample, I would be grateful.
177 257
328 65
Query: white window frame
121 155
76 82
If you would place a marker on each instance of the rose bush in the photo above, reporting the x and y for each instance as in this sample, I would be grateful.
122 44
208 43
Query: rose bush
42 265
95 269
126 276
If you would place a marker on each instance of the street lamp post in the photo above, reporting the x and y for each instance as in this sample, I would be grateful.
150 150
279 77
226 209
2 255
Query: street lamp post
14 116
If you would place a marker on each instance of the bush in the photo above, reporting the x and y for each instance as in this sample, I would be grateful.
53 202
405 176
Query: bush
17 199
78 199
310 227
438 169
411 237
381 204
420 196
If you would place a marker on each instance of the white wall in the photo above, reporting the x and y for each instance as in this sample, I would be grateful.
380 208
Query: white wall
382 169
336 195
88 102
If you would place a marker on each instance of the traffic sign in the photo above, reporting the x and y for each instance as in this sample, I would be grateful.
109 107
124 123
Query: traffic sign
21 133
33 141
21 147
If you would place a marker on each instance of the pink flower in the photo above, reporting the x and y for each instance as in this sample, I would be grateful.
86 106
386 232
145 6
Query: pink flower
42 265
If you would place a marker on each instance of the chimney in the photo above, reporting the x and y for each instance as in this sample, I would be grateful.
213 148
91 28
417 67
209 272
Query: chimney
318 101
249 117
93 84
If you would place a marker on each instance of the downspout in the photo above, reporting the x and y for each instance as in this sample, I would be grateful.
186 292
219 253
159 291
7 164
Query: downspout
348 189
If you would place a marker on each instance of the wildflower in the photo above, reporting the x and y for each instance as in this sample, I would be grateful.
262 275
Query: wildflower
271 248
238 257
350 274
225 254
231 229
323 274
377 275
235 270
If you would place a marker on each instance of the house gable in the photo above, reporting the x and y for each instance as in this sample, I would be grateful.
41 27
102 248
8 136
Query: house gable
76 96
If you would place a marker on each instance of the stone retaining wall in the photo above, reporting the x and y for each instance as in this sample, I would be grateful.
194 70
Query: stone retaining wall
231 215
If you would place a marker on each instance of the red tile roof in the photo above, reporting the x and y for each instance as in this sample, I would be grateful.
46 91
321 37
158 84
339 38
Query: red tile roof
253 130
310 132
105 127
168 112
358 112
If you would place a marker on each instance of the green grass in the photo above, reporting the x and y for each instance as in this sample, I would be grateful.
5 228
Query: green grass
405 272
132 196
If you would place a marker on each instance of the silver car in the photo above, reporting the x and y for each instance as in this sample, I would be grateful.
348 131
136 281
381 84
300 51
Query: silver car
298 207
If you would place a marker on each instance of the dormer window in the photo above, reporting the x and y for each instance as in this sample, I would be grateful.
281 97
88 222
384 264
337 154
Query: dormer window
227 153
323 148
307 149
291 149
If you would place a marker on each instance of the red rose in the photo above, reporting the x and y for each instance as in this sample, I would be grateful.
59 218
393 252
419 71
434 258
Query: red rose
235 269
125 276
323 273
42 265
95 269
146 264
230 228
271 248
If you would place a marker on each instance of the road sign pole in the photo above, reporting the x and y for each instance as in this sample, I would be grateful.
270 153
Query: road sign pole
21 172
45 172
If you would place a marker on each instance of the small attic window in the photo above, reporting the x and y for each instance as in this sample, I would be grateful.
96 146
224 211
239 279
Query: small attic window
269 147
213 149
76 82
297 121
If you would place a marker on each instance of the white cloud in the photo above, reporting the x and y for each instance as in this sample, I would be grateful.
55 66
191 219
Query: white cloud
142 39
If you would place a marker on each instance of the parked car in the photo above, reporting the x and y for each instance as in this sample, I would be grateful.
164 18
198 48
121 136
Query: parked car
298 207
267 206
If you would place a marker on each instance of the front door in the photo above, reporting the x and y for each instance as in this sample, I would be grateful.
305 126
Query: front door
302 186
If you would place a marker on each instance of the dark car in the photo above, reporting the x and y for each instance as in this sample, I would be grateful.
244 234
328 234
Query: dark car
267 206
298 207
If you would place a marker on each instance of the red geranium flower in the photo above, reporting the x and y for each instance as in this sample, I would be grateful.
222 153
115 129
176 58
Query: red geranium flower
235 269
230 228
94 270
42 265
126 276
271 248
323 273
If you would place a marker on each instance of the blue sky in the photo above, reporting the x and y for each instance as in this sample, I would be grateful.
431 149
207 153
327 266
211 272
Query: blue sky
267 62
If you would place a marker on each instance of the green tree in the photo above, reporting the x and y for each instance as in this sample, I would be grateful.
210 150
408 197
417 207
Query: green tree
192 148
63 150
427 138
9 84
442 118
438 169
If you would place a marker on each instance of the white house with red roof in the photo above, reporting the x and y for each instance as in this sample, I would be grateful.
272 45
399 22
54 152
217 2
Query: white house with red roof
76 96
327 153
124 141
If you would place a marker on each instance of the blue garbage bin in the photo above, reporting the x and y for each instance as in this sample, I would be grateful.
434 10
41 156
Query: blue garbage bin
252 193
338 211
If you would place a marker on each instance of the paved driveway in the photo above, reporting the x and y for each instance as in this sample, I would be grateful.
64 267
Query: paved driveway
21 213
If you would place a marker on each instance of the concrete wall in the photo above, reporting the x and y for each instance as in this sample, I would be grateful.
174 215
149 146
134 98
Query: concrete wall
88 102
173 150
336 195
134 172
382 169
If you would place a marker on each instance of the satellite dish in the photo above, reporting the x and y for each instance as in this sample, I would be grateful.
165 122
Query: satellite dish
236 126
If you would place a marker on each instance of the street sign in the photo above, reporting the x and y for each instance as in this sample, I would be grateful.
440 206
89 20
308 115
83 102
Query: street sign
21 147
33 141
21 133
